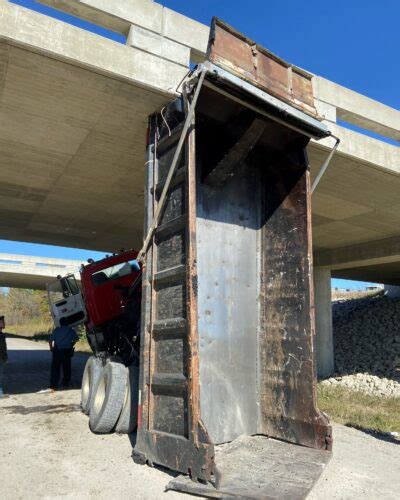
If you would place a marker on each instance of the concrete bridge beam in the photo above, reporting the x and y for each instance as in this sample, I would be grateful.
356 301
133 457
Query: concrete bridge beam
21 271
392 291
323 322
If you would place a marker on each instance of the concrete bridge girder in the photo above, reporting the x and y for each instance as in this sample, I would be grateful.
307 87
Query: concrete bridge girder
21 271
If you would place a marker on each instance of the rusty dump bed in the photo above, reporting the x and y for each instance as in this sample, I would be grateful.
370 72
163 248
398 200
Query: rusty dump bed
242 57
227 347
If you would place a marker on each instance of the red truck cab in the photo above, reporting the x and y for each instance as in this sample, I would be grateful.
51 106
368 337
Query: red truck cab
105 284
108 304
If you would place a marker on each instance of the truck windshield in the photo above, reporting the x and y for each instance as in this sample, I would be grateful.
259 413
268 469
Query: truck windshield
62 289
115 272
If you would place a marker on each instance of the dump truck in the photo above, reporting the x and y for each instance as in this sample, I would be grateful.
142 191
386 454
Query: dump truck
226 394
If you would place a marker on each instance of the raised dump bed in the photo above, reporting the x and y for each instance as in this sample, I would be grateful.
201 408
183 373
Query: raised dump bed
227 345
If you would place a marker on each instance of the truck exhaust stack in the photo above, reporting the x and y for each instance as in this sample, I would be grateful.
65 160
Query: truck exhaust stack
227 340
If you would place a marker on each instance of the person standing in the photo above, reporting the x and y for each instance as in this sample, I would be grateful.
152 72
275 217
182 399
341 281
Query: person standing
3 354
61 343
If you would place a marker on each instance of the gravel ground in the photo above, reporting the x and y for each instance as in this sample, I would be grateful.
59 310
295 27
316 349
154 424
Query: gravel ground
362 467
47 450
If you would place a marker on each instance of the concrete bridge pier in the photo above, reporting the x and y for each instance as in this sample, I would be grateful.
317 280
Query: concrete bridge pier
392 291
323 321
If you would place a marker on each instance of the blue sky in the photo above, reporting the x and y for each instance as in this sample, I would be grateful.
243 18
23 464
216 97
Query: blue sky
354 43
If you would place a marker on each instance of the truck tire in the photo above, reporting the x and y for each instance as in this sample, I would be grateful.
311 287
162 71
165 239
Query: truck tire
89 380
108 398
127 421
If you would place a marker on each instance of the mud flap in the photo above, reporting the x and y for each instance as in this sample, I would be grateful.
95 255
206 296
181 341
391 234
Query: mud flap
258 467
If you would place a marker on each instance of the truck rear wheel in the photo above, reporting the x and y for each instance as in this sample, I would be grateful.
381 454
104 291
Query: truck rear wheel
89 380
108 398
127 421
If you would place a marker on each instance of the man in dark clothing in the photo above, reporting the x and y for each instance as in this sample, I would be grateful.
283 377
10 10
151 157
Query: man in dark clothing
61 344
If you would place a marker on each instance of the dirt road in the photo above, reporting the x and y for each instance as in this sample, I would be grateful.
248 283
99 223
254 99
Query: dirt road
47 450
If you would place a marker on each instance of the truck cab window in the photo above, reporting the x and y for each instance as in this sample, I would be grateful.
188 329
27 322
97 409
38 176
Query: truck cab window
115 272
62 289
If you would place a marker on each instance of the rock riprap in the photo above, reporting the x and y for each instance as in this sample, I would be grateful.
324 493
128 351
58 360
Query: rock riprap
366 335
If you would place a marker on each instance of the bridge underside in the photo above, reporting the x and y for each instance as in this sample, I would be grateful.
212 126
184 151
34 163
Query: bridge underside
72 152
30 281
388 273
72 148
356 220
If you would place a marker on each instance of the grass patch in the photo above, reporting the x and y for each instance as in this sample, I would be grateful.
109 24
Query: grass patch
82 345
359 410
35 330
40 331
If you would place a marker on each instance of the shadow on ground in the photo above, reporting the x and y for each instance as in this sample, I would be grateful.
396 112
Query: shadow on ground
28 367
377 435
36 337
45 409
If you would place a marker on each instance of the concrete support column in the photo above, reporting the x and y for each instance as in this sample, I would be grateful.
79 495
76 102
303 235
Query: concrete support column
392 291
323 321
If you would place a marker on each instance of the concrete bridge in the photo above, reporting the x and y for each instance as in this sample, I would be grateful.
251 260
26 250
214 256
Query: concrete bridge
73 111
21 271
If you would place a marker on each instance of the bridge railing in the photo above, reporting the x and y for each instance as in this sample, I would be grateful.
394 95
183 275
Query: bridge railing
147 25
337 103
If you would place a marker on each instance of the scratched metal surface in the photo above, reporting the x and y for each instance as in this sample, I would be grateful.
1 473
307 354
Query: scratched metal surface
228 220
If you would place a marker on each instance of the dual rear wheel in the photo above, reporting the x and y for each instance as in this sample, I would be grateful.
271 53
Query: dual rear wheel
110 396
90 377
